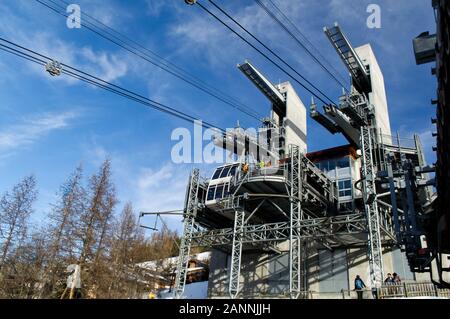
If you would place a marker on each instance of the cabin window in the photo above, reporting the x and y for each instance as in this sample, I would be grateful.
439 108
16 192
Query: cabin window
211 193
217 173
225 172
232 171
219 192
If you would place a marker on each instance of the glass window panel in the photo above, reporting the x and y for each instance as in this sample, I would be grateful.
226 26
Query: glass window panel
348 184
331 165
225 172
343 163
345 188
217 173
211 193
232 171
219 192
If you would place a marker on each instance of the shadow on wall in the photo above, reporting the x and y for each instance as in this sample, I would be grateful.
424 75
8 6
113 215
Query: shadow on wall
268 273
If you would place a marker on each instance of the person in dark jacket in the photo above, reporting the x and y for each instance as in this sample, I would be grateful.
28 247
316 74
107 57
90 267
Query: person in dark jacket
389 279
359 286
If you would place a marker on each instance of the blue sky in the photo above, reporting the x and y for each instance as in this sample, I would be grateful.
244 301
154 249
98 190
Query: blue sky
50 125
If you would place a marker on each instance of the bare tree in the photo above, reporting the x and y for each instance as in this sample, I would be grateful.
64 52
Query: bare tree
94 226
15 209
124 253
62 226
82 230
26 272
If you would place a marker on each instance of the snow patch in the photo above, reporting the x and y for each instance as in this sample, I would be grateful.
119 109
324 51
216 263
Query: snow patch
197 290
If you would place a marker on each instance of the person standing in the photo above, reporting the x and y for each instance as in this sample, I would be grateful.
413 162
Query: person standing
359 286
389 279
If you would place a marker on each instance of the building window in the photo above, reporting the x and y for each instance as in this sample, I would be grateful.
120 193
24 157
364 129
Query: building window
343 163
345 188
329 165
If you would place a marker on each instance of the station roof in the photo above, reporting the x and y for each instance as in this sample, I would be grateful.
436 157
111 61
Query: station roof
332 153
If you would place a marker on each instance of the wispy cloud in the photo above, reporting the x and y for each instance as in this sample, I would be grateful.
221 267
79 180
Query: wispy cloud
31 129
161 188
112 66
108 65
156 186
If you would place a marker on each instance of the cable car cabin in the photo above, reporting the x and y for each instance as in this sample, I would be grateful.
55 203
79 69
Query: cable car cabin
220 183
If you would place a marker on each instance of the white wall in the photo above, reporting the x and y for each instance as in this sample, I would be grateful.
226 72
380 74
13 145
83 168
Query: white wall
378 96
296 117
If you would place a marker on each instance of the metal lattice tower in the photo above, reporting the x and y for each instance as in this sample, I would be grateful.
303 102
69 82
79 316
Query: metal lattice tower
356 106
189 227
295 249
236 254
371 208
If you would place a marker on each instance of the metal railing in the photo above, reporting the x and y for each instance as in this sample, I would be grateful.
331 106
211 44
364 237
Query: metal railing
403 290
411 290
397 141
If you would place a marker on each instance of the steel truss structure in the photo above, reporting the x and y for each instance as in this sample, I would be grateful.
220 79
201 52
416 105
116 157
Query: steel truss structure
358 109
236 253
295 230
300 224
371 208
189 226
307 209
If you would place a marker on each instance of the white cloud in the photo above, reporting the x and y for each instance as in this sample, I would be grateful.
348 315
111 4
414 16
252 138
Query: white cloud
111 66
154 7
33 128
156 187
203 38
162 188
